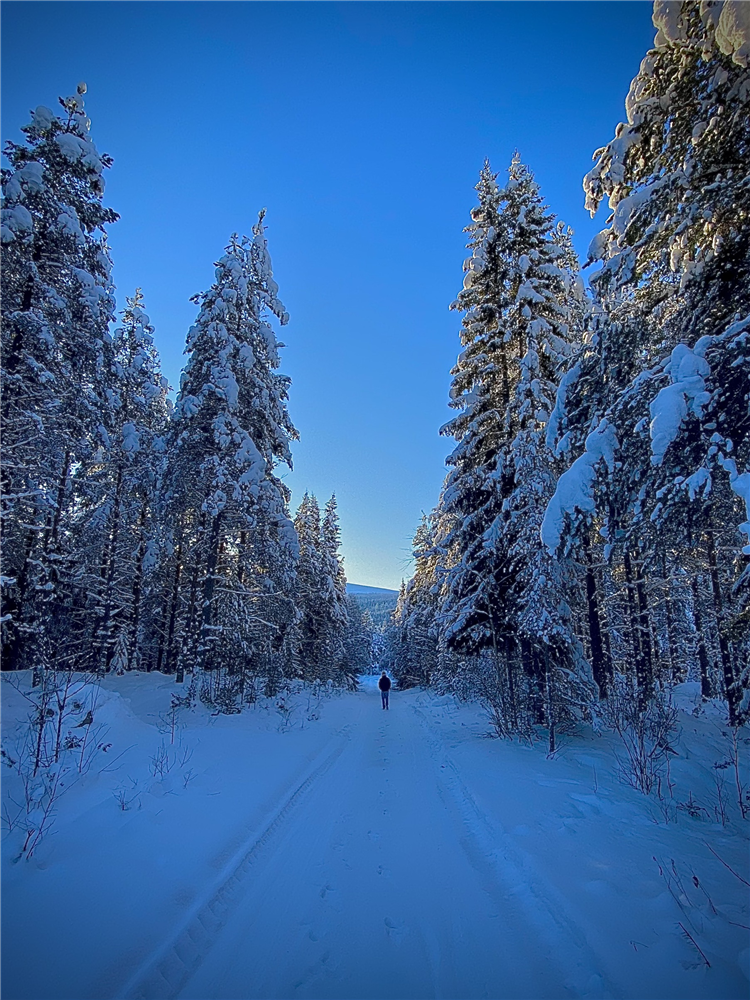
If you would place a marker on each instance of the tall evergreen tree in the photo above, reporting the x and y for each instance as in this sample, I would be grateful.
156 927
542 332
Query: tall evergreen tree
522 309
413 648
309 629
222 499
664 439
322 627
115 529
57 305
334 583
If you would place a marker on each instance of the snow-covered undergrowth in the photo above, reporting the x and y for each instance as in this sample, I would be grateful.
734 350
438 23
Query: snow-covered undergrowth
458 839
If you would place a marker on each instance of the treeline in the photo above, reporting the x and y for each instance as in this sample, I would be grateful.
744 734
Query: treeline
592 532
138 535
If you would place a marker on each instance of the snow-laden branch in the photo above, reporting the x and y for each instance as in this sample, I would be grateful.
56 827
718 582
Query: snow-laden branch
575 487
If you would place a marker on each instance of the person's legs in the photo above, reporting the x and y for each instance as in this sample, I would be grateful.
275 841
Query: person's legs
384 698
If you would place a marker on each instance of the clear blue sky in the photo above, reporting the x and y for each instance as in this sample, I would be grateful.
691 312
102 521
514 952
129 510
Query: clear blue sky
362 128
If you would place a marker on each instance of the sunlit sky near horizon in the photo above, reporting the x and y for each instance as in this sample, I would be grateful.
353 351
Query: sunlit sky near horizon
361 127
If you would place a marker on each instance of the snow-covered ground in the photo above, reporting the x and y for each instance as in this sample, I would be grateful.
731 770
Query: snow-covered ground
331 849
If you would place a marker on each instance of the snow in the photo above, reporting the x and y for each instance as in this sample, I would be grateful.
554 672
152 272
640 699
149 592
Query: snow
43 117
575 486
730 18
32 176
569 378
20 219
68 224
90 291
740 484
130 438
733 30
666 18
626 208
527 293
687 394
316 846
74 147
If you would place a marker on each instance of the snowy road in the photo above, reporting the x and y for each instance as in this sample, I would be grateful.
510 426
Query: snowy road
373 881
327 849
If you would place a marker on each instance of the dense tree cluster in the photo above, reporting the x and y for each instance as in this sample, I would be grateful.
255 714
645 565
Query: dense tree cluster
138 534
594 522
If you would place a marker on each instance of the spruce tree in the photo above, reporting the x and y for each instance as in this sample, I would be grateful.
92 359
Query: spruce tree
523 309
309 629
230 430
57 305
116 529
413 646
323 624
661 445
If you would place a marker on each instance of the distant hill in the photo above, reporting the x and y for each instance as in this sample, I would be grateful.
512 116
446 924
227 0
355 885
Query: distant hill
377 600
358 588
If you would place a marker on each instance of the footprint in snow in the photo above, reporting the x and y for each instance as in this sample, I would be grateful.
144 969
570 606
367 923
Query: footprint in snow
325 890
373 835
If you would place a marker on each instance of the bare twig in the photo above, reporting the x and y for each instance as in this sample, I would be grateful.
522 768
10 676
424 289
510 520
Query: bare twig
699 885
695 944
110 766
725 864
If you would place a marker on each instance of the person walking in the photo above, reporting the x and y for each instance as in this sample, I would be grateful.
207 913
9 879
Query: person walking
385 686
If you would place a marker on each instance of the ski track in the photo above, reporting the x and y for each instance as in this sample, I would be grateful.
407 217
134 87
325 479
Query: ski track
378 875
170 966
510 877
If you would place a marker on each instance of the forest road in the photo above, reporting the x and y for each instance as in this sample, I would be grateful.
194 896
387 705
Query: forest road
381 878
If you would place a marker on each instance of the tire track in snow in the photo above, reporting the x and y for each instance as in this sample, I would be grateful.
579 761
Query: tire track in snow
506 870
169 967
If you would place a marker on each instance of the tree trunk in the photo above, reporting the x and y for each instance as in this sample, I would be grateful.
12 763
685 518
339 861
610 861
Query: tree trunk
646 676
706 685
106 647
730 681
135 614
549 699
639 636
676 673
209 583
601 663
174 600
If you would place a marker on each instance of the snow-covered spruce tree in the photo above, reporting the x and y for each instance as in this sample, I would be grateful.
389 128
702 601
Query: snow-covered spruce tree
413 635
308 629
503 593
321 629
115 528
671 418
57 305
336 607
233 546
358 640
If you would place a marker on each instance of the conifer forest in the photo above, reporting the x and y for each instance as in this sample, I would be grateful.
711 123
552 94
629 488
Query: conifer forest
590 540
172 629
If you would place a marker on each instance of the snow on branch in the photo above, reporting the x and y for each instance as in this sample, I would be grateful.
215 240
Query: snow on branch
686 394
575 487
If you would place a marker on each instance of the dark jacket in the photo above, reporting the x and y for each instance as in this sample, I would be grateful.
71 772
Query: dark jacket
384 684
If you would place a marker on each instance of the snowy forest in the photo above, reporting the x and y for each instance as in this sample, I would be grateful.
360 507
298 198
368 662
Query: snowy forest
591 540
590 543
138 534
201 766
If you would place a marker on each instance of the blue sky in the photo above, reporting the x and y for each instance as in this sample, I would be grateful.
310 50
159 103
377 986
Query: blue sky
361 127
